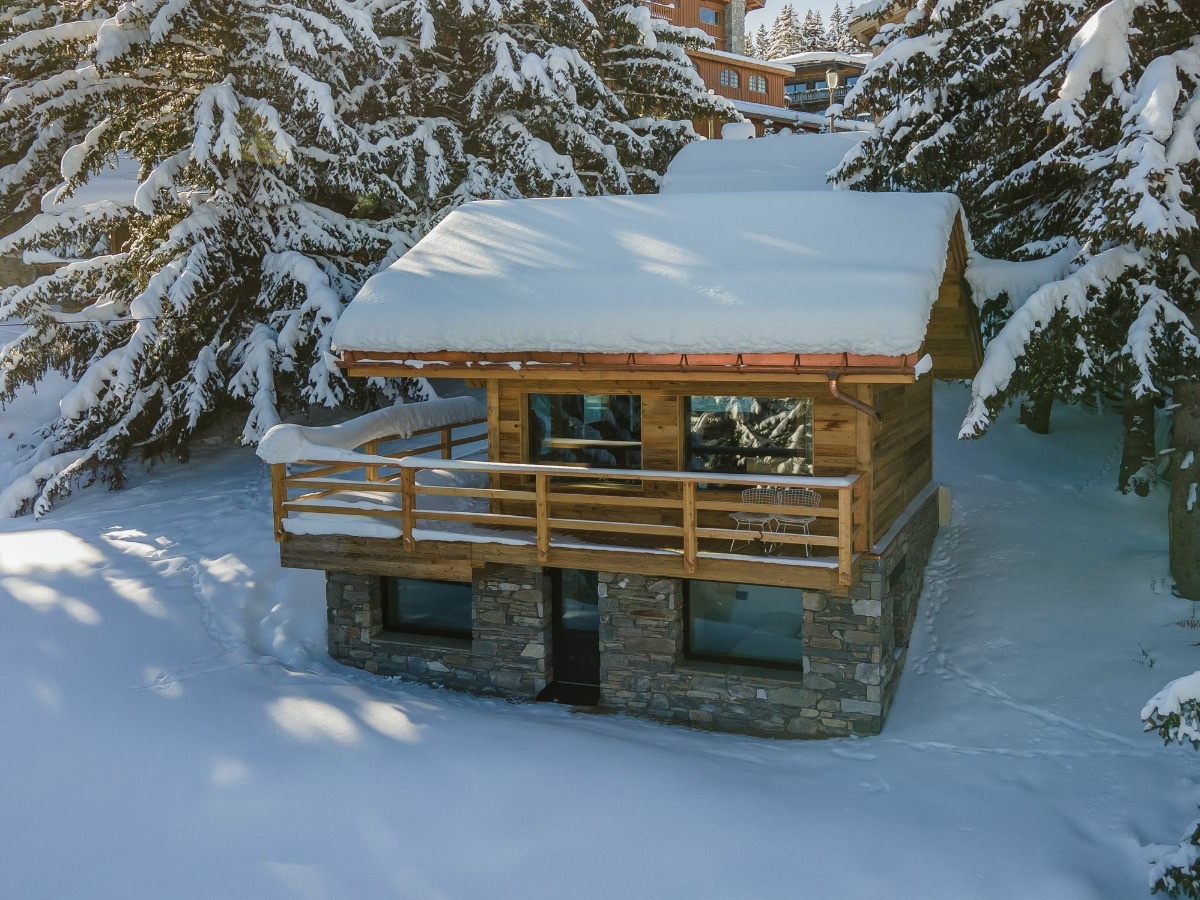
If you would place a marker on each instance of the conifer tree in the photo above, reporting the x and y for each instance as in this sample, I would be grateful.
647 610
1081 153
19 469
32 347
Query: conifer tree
837 37
1055 132
813 32
760 43
786 34
288 149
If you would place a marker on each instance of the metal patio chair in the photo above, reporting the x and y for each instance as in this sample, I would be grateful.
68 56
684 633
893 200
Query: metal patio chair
754 521
797 497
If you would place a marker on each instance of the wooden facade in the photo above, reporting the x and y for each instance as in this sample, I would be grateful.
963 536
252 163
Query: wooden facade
871 458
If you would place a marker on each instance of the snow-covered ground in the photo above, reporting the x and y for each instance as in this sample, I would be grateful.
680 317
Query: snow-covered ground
173 729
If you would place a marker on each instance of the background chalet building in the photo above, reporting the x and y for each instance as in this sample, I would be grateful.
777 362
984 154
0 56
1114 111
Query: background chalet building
695 480
772 95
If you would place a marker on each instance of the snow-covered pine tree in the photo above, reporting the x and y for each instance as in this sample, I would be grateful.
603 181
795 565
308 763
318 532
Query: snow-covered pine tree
288 148
31 141
812 32
759 44
786 34
1053 131
837 36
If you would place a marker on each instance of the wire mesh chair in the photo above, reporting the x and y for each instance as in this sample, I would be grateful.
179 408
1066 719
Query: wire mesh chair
797 497
754 521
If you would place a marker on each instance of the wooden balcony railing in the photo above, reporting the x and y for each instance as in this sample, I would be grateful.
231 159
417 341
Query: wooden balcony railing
551 506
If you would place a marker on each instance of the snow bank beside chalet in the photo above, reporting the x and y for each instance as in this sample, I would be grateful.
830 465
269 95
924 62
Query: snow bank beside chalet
762 272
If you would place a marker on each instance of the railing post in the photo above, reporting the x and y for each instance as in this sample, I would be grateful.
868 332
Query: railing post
408 506
845 534
689 527
372 447
278 498
542 498
446 439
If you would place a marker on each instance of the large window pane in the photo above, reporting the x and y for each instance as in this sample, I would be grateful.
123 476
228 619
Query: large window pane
745 623
596 430
757 435
427 607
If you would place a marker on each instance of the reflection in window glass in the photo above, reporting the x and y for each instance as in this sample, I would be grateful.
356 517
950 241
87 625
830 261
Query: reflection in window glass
580 600
427 607
745 623
756 435
710 16
596 430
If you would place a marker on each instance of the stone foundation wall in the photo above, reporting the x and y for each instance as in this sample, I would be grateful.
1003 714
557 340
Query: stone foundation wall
853 651
509 652
853 645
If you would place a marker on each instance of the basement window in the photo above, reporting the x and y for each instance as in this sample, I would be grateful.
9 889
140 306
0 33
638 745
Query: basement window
420 606
744 623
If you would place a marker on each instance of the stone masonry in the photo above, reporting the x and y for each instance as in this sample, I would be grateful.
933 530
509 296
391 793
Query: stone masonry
509 649
851 665
854 645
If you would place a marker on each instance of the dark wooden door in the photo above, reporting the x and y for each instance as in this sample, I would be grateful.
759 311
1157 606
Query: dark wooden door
576 627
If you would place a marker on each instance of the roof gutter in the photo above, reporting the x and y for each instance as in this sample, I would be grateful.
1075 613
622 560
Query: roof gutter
865 408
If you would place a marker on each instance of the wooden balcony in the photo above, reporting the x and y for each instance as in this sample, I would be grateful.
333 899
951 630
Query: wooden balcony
418 503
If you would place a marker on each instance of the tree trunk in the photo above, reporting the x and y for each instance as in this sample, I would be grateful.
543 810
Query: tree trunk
1184 516
1035 414
1137 455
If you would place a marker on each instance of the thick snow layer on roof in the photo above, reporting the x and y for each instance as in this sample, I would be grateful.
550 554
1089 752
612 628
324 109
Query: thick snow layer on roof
810 57
782 114
779 162
738 57
115 185
762 272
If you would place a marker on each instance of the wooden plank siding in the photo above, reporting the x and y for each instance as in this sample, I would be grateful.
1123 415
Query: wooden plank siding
453 561
901 451
953 338
686 13
837 447
710 68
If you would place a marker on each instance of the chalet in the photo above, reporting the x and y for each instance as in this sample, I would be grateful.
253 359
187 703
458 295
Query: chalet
699 485
808 87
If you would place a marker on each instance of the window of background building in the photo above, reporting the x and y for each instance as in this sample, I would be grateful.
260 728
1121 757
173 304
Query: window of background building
758 84
729 78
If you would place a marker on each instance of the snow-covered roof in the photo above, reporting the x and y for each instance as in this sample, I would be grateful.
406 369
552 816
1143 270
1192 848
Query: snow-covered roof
765 272
812 57
779 162
745 60
795 116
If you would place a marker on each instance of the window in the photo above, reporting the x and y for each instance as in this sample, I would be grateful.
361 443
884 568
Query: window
709 16
851 80
758 84
729 78
763 435
591 430
748 623
417 606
